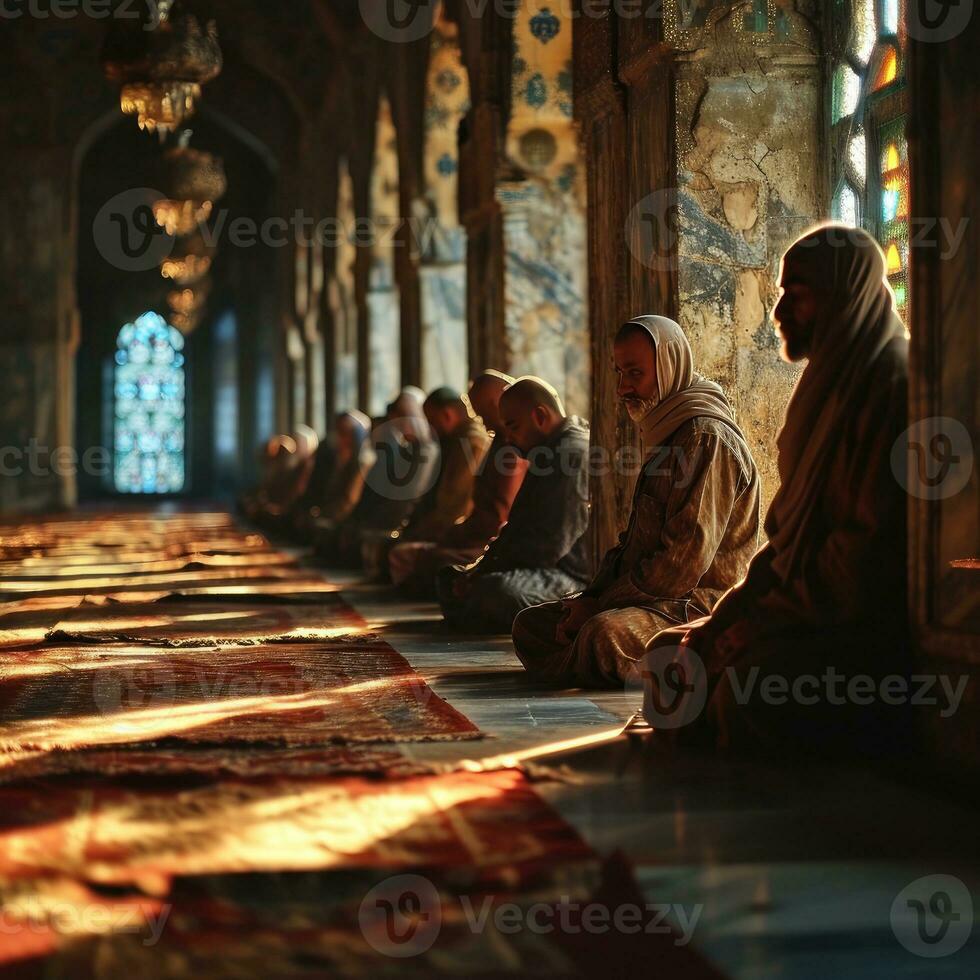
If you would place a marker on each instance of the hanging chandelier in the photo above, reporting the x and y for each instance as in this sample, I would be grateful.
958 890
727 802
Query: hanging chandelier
192 181
189 299
186 323
161 68
189 262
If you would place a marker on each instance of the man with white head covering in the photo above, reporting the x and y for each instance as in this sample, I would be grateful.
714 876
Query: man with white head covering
692 531
826 597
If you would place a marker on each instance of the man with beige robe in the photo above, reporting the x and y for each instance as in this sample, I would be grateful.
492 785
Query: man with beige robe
823 604
414 563
692 531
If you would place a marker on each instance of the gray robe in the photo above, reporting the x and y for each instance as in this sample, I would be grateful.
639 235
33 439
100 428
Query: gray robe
542 553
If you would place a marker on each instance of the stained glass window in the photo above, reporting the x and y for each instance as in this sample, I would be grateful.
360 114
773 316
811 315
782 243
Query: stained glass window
868 114
149 407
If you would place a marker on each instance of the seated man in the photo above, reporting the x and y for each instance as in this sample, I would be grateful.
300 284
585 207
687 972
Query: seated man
295 460
542 552
405 461
826 597
414 563
337 481
694 525
463 442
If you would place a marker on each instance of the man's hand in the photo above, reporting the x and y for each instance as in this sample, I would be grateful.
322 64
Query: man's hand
575 613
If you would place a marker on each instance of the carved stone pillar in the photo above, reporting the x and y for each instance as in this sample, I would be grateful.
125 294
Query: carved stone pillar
435 220
600 110
40 331
485 42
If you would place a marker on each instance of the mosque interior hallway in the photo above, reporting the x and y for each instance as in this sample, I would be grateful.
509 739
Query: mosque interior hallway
214 758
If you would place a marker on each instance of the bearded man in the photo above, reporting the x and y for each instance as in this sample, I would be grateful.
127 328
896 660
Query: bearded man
693 528
823 606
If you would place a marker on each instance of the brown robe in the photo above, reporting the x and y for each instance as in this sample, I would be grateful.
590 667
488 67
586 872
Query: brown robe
414 564
451 499
692 531
828 593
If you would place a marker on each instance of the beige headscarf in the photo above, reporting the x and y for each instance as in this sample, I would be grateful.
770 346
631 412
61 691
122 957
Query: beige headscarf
860 324
684 394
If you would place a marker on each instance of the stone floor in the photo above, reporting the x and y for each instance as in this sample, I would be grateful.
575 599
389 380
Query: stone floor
799 873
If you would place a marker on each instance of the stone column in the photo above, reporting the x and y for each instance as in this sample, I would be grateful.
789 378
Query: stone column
441 238
39 334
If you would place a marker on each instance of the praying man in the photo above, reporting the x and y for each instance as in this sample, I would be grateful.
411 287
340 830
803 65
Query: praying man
693 528
542 552
826 597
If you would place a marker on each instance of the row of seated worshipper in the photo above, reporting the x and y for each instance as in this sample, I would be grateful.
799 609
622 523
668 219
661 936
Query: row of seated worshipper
751 668
303 478
418 483
452 508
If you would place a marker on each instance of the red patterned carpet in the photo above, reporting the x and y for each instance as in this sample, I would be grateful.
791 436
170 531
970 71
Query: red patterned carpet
204 771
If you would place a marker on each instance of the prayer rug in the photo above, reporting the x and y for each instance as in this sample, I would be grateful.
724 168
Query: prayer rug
11 588
55 568
172 619
341 879
38 610
485 825
182 762
207 624
294 695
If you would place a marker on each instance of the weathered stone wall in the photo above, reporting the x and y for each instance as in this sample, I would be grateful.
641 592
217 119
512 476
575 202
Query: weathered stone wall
749 173
544 291
542 202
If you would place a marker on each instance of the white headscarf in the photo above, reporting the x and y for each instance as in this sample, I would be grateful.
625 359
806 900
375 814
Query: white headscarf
684 394
860 324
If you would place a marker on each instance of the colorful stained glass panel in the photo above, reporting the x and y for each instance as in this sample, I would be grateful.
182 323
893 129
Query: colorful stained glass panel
149 407
887 68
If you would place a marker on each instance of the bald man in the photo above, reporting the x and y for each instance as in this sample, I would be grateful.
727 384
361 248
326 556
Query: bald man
413 564
693 528
542 553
